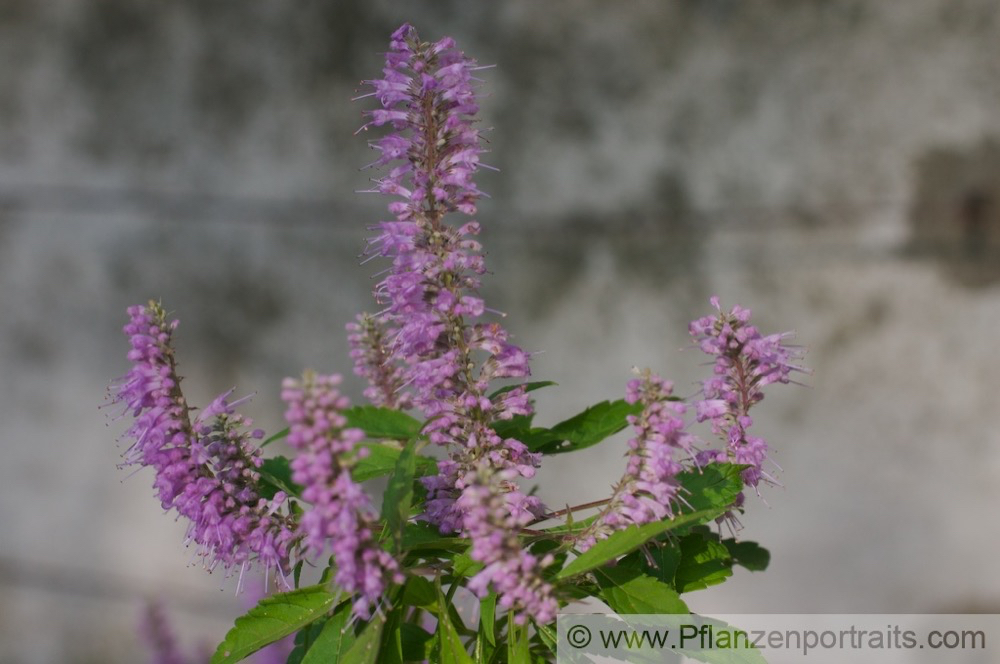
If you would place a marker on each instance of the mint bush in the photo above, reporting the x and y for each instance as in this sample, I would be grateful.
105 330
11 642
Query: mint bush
441 371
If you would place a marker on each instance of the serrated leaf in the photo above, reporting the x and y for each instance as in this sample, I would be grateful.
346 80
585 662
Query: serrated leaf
378 422
704 562
398 496
588 428
628 590
276 475
365 649
628 540
750 555
381 460
273 618
715 485
333 641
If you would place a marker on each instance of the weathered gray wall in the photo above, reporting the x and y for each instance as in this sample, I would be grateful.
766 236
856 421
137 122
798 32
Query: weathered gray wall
832 165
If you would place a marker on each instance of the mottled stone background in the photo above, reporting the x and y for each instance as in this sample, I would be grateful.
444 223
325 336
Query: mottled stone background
835 166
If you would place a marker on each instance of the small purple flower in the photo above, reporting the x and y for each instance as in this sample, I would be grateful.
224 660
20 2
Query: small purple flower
341 518
745 361
649 489
205 469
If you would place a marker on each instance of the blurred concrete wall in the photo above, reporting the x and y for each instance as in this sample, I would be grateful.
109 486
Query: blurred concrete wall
832 165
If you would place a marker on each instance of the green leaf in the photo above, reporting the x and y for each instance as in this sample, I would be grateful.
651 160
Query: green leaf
333 641
750 555
517 427
704 562
547 636
422 536
628 590
450 648
276 437
391 651
379 422
628 540
276 475
659 561
585 429
716 485
420 592
517 641
365 649
398 496
273 618
381 460
304 640
464 565
488 617
418 645
528 387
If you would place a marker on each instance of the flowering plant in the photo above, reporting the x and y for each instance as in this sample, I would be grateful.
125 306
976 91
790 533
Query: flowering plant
461 563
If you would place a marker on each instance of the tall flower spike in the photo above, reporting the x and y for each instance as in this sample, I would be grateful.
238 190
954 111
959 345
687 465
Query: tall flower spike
745 361
205 469
430 293
341 518
648 490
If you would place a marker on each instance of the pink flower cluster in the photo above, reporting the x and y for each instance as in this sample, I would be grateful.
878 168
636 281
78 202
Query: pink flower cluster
206 470
513 572
341 517
648 489
745 361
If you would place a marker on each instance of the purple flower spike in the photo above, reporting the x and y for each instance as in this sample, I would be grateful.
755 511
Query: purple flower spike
205 469
444 358
341 518
513 572
649 489
745 362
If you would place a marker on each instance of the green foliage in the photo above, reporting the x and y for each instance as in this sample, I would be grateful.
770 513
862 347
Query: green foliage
273 618
382 423
398 495
275 476
628 590
704 562
332 641
381 460
625 541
